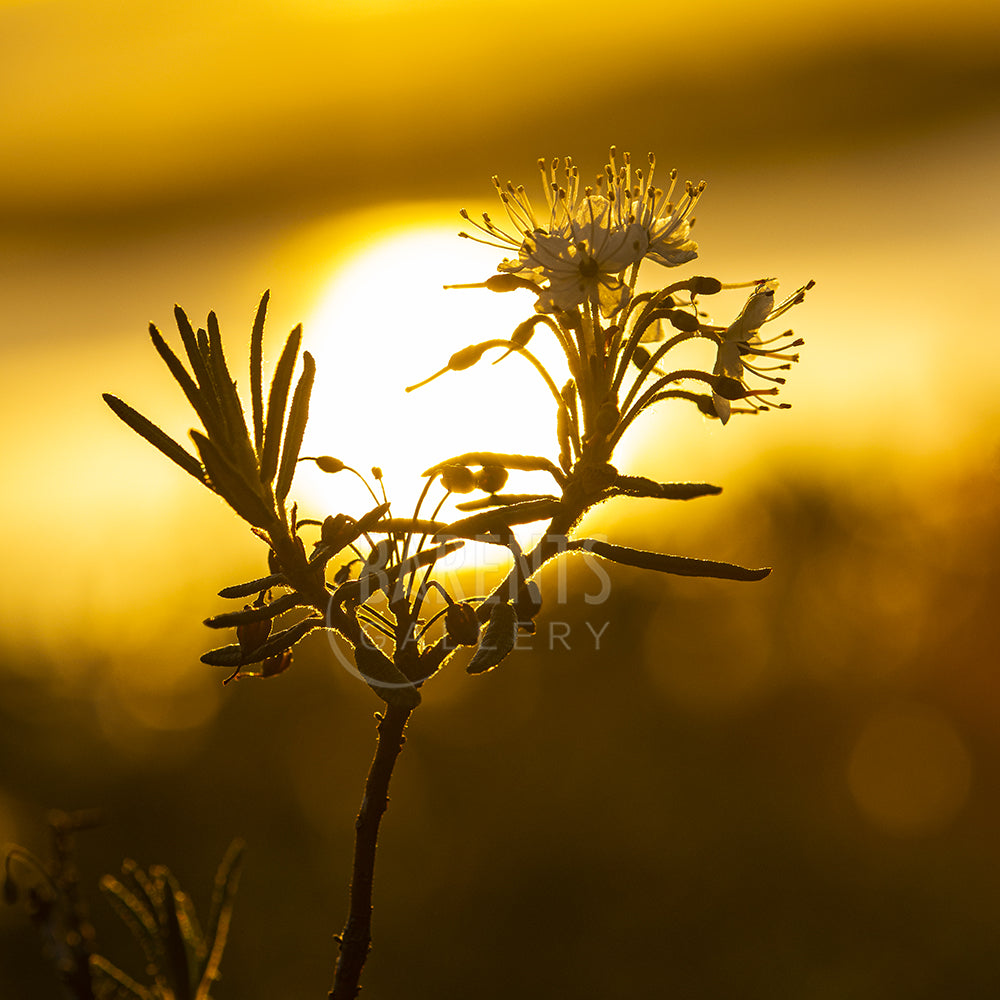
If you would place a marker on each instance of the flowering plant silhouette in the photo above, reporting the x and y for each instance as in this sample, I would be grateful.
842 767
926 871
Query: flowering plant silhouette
370 577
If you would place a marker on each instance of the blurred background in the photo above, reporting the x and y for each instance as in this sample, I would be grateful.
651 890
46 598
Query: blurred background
789 788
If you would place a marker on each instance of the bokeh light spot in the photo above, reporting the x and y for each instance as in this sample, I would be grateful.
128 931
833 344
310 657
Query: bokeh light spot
910 771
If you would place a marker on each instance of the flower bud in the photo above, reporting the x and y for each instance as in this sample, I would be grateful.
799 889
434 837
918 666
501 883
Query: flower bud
462 624
327 463
523 332
683 321
700 285
640 356
508 283
466 357
729 388
458 478
491 478
376 473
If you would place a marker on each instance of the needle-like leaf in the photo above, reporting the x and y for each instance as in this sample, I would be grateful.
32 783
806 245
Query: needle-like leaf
175 965
256 372
230 619
254 586
662 563
639 486
231 486
298 414
229 400
198 358
227 880
276 402
232 656
156 437
112 982
198 400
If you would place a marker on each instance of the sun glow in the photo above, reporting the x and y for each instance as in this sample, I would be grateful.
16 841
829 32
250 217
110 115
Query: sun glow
385 322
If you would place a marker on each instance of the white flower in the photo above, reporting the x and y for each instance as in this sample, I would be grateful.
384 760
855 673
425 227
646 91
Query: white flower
740 342
583 262
579 250
668 226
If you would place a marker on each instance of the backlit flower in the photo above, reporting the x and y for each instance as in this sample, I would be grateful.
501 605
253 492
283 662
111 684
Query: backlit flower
741 349
667 226
579 249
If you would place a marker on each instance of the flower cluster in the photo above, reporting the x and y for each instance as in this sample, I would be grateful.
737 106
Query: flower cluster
580 249
581 258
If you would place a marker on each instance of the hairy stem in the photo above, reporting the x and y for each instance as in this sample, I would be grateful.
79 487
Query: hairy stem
355 941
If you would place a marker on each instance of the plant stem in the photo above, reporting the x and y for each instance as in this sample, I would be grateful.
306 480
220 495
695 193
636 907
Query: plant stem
355 941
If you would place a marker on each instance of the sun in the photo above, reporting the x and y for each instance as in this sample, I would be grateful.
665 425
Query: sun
383 322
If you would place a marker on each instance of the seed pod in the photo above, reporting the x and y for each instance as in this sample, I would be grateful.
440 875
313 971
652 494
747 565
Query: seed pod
462 624
252 636
491 478
327 463
458 479
498 640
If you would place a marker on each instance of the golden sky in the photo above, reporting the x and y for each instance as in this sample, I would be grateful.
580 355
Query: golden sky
200 152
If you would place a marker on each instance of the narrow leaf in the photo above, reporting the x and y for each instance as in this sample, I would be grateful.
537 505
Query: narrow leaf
227 880
385 678
229 400
298 414
253 586
198 358
230 485
638 486
198 401
156 437
230 619
175 965
112 982
502 500
276 402
256 372
232 656
662 563
139 921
